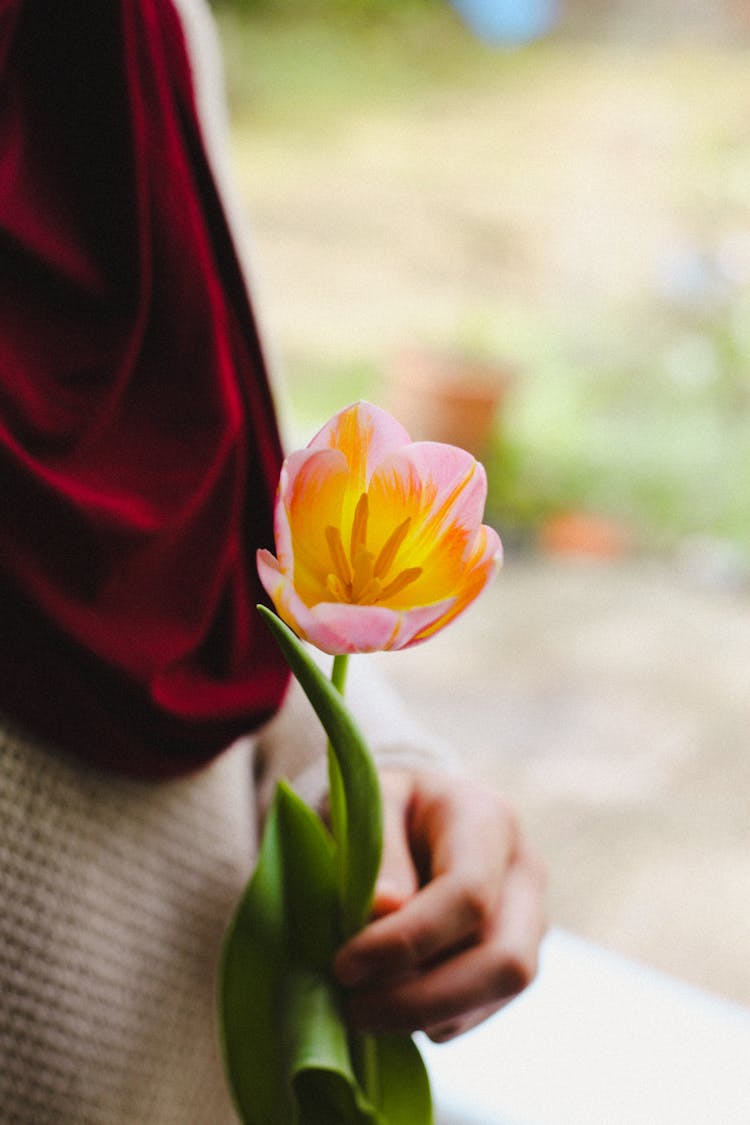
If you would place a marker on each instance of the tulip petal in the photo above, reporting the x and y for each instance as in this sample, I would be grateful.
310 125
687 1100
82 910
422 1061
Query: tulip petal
338 628
354 628
272 577
442 489
479 573
365 434
446 486
289 606
299 463
379 540
312 497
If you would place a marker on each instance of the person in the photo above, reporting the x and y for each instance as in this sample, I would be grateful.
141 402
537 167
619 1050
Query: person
144 714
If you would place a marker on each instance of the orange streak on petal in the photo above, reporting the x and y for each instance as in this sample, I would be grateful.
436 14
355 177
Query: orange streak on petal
477 579
367 433
312 505
353 435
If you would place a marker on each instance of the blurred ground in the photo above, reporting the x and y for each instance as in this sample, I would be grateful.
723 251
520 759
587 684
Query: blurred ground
611 702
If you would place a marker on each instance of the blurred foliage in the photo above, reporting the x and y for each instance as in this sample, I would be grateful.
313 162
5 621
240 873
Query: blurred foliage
320 7
617 423
639 411
293 66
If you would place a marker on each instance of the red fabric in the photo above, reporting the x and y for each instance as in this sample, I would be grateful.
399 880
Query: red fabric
138 448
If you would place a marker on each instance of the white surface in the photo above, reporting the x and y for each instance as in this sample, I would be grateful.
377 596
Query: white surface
598 1040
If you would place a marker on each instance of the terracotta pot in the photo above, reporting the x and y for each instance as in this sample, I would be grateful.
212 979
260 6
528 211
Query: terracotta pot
448 397
584 534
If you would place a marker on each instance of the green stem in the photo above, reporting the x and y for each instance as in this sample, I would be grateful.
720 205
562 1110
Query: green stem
366 1049
338 672
337 799
366 1066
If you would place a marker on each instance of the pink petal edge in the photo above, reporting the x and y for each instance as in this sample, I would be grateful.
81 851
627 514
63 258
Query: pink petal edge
307 461
375 628
382 432
459 480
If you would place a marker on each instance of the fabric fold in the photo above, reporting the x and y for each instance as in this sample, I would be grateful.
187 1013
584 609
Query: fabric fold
139 453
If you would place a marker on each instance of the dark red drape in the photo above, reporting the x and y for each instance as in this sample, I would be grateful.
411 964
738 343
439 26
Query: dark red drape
138 449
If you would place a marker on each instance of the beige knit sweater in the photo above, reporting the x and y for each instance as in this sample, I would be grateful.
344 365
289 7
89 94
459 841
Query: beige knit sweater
115 894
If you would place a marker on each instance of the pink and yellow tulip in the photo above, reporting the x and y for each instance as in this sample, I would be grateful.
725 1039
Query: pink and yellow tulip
379 539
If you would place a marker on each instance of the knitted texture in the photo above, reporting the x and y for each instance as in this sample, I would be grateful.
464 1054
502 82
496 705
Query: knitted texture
114 898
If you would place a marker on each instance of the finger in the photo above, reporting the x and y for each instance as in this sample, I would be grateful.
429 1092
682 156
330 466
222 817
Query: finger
464 830
444 915
460 901
443 1033
461 991
397 879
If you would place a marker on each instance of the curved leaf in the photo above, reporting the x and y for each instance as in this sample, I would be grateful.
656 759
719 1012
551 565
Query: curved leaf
403 1096
364 827
288 1054
321 1073
285 919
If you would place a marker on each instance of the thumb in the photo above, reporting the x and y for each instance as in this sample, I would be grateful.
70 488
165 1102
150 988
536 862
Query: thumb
397 879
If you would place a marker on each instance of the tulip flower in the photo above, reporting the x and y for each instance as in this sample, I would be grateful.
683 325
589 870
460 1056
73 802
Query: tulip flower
379 544
379 539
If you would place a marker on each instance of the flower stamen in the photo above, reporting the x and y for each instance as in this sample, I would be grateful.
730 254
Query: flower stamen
336 587
390 549
363 576
357 579
340 562
400 582
359 526
371 593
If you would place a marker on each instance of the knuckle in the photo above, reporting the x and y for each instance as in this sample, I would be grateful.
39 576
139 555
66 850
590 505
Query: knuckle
474 903
408 947
514 973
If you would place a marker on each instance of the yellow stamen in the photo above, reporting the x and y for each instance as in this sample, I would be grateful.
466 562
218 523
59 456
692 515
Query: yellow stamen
362 576
336 587
390 549
371 593
357 579
359 526
400 582
338 556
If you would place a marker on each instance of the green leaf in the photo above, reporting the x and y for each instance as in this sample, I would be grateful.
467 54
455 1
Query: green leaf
286 918
289 1056
337 804
403 1096
325 1085
364 818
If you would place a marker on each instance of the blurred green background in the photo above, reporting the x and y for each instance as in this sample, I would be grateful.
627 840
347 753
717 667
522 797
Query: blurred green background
567 220
571 213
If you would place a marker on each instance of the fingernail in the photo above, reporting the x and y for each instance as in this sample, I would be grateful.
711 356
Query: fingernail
388 897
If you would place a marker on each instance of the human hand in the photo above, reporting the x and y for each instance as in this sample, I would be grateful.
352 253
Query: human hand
458 913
